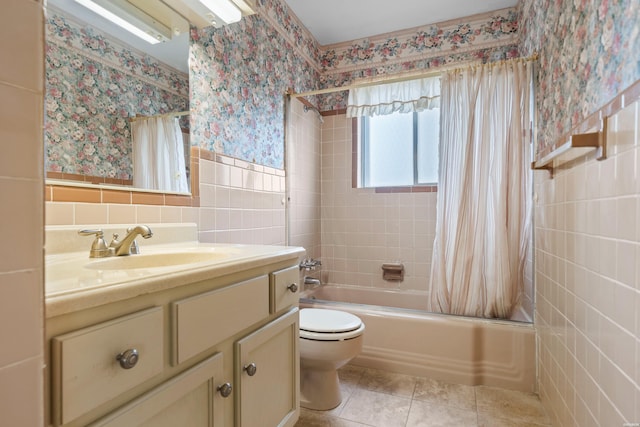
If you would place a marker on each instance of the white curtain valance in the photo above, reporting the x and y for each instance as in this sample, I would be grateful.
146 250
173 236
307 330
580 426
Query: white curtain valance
403 97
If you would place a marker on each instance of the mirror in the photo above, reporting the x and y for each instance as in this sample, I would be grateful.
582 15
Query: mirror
97 80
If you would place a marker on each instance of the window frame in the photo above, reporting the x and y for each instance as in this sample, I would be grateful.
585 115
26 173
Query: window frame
356 167
359 151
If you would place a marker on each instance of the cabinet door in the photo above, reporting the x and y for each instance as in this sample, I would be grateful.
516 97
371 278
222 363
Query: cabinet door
269 394
189 399
285 288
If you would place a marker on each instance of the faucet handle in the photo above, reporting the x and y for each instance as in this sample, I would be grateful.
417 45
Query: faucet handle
114 240
98 247
97 233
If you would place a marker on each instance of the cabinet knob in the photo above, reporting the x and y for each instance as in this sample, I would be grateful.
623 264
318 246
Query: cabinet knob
251 369
293 287
225 390
128 358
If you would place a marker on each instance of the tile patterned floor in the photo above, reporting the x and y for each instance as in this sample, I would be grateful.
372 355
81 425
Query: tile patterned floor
378 398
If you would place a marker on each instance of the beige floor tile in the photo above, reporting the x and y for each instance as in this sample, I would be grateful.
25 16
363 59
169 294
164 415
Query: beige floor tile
349 378
388 382
443 393
486 420
377 409
425 414
351 372
377 398
510 405
345 393
310 418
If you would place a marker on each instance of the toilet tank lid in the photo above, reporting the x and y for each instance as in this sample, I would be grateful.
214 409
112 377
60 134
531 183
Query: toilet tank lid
328 321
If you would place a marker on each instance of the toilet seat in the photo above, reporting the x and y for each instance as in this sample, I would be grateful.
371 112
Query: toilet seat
329 325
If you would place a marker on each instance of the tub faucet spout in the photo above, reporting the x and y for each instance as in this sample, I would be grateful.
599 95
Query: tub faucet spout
311 281
124 246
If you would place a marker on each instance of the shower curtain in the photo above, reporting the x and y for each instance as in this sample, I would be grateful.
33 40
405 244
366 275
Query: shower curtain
158 154
483 206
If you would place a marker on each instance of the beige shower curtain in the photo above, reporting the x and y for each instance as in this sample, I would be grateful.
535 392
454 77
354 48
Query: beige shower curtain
484 190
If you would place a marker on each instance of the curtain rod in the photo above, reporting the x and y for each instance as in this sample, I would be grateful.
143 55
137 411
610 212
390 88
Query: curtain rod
176 114
406 77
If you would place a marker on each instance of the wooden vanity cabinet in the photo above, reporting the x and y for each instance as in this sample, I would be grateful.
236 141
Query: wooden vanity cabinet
195 344
190 399
267 374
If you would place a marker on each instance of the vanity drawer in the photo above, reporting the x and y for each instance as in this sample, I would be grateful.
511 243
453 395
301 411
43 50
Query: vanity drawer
285 288
85 365
202 321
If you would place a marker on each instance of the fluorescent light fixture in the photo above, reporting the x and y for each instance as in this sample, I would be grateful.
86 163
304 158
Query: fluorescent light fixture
246 6
224 10
129 18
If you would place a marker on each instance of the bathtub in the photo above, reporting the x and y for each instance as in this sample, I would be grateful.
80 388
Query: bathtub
412 341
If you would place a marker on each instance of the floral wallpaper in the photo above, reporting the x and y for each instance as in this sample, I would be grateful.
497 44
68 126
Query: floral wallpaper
486 37
338 100
93 84
239 75
589 52
282 19
479 32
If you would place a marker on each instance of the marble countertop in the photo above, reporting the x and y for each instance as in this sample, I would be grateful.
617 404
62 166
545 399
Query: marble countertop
73 281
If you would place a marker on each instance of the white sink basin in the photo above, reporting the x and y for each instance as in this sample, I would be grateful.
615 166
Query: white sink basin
164 259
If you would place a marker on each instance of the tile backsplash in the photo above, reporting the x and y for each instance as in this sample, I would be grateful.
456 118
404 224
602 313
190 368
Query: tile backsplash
239 202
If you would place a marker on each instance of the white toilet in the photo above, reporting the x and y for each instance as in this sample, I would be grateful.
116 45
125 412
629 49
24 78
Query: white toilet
329 339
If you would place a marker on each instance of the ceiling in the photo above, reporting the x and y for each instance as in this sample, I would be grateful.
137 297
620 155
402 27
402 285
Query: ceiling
335 21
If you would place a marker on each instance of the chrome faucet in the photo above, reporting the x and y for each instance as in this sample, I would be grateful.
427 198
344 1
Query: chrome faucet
308 280
310 264
128 244
99 247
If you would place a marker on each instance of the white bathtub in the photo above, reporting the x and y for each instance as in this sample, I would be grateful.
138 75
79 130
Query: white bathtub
449 348
411 300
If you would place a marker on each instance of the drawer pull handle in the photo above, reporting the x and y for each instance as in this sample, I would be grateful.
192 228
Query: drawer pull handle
293 287
251 369
225 390
128 358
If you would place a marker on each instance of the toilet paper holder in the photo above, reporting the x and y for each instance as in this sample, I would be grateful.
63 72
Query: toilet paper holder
393 272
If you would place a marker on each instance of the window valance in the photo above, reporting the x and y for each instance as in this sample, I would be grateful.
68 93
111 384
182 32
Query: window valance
404 97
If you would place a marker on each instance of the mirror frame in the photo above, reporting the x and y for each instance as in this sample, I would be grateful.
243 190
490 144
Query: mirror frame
88 192
58 180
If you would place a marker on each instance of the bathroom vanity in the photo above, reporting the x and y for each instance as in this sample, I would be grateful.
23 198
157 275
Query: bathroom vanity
185 334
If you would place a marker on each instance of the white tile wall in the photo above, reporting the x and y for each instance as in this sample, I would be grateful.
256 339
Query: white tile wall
237 207
303 160
587 284
232 210
362 229
21 184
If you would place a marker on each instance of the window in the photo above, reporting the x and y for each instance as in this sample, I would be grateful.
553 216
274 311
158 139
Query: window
399 149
